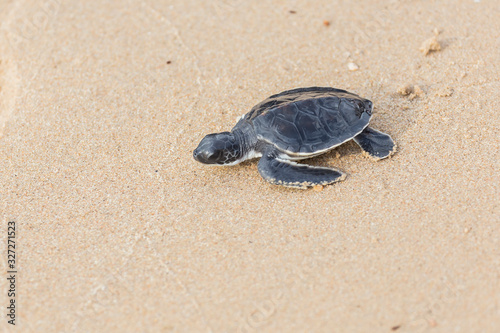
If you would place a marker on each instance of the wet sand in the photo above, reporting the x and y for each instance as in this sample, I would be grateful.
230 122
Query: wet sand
120 230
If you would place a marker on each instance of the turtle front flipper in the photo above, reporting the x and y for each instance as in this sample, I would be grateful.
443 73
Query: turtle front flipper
287 173
376 144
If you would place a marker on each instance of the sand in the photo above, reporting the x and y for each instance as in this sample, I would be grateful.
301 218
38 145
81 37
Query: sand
120 230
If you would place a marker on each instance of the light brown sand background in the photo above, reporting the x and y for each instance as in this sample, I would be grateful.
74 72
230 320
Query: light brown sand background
120 230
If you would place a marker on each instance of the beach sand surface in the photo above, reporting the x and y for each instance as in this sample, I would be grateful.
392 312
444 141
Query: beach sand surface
118 229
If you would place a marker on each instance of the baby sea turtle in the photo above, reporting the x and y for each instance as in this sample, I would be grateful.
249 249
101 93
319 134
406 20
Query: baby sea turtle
294 125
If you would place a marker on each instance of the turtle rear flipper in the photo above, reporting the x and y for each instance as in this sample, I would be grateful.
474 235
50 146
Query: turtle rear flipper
283 172
376 144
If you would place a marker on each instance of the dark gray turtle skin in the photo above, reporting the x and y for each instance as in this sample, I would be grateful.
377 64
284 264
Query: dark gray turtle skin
294 125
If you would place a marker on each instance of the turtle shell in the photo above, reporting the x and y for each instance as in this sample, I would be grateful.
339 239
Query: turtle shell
309 121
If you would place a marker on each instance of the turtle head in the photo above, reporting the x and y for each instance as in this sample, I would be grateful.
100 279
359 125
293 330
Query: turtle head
218 148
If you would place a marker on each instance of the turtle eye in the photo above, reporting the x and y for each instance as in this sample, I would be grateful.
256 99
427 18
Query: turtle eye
207 156
214 157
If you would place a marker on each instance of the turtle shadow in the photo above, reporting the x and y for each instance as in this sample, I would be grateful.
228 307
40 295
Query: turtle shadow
248 163
347 149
